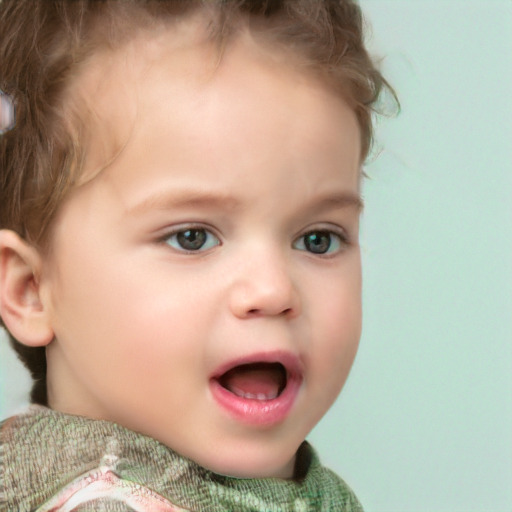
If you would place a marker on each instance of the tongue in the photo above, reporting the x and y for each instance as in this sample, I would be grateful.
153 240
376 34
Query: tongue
261 380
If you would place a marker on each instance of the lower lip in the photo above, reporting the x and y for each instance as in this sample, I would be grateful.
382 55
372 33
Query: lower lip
257 412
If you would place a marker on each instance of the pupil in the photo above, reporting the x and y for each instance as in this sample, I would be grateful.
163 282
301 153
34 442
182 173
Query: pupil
318 242
192 239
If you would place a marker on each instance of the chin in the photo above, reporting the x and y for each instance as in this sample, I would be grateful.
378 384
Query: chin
252 465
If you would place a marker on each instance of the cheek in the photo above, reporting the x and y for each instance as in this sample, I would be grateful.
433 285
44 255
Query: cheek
341 338
338 327
131 318
340 309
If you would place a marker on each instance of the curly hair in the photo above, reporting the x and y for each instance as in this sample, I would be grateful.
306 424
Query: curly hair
43 43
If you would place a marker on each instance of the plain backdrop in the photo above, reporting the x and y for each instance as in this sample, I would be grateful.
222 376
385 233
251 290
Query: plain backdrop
425 421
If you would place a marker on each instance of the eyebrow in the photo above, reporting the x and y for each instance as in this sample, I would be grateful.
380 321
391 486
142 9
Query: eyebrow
185 198
220 201
338 200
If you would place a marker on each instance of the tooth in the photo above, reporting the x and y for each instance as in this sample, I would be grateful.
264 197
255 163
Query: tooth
252 396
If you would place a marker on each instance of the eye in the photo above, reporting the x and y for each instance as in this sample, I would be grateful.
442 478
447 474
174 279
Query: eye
320 242
192 240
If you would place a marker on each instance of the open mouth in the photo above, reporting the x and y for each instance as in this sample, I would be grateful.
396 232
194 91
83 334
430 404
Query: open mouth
259 389
255 381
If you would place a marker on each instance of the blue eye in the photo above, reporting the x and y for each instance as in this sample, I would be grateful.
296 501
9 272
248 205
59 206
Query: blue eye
320 242
192 240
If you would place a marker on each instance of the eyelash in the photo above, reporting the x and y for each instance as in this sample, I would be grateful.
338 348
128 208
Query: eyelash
206 237
339 238
174 236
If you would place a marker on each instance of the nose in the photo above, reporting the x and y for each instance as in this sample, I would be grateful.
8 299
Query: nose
264 287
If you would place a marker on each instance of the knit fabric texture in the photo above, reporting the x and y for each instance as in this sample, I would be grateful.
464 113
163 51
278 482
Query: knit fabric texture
56 462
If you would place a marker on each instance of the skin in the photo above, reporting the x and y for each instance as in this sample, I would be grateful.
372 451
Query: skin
247 149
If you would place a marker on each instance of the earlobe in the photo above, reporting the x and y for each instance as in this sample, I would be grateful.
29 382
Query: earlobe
21 308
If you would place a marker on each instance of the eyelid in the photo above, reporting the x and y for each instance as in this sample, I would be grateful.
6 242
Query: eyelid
176 229
344 239
331 228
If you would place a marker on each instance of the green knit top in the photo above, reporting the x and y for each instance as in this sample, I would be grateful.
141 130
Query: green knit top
51 461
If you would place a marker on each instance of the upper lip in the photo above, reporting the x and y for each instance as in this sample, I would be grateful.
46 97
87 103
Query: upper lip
292 363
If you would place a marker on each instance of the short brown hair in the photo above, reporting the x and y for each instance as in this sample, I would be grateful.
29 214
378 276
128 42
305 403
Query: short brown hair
42 44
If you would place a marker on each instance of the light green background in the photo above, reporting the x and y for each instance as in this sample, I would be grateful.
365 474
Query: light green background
425 421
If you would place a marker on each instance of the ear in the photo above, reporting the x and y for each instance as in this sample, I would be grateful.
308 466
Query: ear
21 307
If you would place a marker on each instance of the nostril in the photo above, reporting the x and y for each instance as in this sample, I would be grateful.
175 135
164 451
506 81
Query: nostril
255 312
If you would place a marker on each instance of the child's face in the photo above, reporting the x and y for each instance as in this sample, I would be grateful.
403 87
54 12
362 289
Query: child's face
224 233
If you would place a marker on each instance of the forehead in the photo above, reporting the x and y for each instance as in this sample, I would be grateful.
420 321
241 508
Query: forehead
121 92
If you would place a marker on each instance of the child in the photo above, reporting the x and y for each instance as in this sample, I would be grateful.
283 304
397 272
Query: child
179 260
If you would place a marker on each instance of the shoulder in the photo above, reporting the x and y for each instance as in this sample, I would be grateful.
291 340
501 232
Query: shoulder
19 439
332 492
344 496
